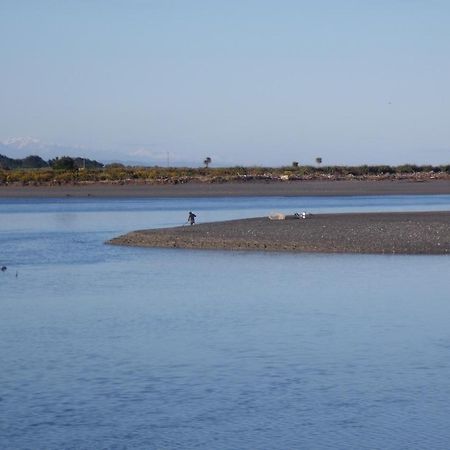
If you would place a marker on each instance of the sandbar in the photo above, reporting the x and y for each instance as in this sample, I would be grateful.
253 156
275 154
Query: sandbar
371 233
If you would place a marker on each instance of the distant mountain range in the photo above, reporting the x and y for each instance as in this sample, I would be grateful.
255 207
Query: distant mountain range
21 147
24 153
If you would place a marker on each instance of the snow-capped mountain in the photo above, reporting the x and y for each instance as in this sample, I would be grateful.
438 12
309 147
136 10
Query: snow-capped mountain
20 147
22 142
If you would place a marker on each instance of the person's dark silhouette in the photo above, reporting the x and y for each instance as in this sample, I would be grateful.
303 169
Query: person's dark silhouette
191 218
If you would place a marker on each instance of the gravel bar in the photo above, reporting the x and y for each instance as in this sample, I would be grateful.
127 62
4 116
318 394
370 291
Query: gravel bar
372 233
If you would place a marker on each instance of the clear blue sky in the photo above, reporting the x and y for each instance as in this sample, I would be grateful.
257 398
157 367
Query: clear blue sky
242 81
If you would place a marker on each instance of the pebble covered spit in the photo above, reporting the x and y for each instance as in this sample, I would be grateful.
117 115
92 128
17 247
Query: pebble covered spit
389 233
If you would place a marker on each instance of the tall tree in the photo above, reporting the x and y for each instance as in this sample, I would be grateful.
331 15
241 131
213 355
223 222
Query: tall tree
207 161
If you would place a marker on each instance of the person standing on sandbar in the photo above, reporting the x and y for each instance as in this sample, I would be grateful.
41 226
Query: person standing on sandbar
191 218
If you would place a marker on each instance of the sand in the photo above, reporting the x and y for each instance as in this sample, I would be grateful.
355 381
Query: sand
233 189
372 233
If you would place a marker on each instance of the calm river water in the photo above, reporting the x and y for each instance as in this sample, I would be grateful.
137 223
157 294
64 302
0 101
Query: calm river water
106 347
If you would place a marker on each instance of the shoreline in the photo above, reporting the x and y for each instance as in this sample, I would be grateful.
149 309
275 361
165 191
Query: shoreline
425 233
233 189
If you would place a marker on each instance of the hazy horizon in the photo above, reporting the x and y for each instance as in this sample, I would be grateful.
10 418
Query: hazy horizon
244 82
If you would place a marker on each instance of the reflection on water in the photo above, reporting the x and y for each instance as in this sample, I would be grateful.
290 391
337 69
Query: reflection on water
107 347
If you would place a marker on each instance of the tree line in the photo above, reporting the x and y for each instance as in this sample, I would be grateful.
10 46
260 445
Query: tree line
58 163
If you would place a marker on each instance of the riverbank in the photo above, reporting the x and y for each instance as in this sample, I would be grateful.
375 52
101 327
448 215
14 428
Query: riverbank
383 233
232 189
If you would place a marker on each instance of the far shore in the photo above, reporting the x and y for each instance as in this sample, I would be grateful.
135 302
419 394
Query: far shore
371 233
232 189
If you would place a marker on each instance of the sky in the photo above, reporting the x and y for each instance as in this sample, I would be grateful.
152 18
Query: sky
245 82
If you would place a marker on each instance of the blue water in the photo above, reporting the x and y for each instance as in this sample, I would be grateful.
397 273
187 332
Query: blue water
107 347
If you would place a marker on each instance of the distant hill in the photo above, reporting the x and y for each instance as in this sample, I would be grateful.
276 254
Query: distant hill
68 163
30 162
36 162
87 163
8 163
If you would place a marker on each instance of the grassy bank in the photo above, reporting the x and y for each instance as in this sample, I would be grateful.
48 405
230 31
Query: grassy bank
159 175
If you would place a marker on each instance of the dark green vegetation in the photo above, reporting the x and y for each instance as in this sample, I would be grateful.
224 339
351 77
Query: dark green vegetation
58 163
30 162
33 170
